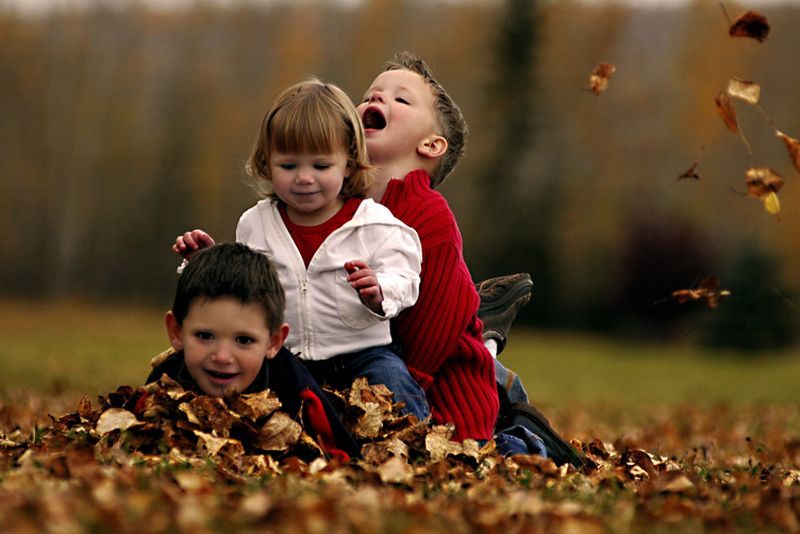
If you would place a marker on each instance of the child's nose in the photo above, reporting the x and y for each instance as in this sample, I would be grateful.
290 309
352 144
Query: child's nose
377 96
223 354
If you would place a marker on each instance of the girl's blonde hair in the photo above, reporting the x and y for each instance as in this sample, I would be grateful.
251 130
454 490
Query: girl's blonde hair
312 117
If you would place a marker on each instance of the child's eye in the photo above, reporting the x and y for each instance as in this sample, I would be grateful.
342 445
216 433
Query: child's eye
287 166
401 100
205 336
245 340
322 166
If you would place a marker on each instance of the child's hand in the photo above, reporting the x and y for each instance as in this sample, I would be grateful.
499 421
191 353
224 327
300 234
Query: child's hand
187 244
365 281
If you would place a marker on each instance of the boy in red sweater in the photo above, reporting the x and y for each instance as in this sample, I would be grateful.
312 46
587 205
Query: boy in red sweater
415 136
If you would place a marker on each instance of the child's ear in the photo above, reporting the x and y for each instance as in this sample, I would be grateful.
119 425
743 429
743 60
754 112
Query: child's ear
174 331
432 147
276 340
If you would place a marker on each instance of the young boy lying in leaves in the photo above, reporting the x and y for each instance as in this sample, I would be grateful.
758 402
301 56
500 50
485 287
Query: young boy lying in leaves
227 330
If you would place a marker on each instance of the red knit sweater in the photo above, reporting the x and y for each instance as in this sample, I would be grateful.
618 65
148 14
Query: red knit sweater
441 333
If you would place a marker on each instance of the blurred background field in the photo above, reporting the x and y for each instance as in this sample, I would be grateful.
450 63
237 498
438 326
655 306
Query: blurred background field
125 123
128 122
72 349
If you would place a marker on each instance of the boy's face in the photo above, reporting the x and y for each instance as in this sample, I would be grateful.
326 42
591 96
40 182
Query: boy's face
398 115
224 343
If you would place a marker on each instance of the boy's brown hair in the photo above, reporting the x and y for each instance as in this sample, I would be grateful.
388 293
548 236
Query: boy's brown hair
448 115
312 117
231 270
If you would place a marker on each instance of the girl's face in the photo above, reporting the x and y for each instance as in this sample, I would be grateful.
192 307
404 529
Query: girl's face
309 184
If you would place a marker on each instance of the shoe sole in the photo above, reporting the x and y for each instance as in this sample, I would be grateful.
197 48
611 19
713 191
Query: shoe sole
520 292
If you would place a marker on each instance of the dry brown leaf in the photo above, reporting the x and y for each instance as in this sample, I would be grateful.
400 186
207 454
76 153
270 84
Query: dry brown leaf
750 24
396 470
761 181
691 172
214 445
257 405
438 443
598 80
278 434
116 419
727 112
707 291
793 145
744 90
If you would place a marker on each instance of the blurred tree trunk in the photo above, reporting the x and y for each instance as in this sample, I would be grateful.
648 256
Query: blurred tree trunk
517 218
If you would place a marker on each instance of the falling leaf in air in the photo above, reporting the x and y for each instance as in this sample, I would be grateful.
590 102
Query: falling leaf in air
727 112
793 145
598 81
744 90
691 172
750 24
761 181
707 291
771 203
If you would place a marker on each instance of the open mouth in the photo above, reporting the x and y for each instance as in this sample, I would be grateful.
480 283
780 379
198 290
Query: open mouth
219 375
373 119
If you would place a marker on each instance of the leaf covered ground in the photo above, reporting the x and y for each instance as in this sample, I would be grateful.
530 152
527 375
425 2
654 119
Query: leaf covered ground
161 459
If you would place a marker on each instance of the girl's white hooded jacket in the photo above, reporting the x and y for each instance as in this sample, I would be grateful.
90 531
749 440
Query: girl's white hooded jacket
325 315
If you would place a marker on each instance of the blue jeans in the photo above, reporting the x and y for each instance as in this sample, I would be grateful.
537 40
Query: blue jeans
379 365
509 381
519 440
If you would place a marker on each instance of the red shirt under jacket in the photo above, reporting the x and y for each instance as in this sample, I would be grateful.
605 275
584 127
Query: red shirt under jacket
441 334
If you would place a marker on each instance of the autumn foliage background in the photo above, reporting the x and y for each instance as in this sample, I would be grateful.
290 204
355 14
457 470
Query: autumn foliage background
124 124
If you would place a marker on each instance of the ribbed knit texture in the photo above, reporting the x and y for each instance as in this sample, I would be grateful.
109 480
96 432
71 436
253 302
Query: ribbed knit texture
441 334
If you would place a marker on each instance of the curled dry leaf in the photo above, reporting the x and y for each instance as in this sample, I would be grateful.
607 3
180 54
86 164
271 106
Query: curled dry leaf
691 172
744 90
396 470
762 181
278 434
727 112
793 145
598 80
750 24
707 291
116 419
254 406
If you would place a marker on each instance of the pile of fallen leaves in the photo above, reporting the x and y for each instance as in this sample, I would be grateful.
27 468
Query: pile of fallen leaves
159 458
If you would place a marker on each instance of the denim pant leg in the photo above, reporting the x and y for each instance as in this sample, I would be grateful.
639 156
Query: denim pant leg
510 382
381 365
519 440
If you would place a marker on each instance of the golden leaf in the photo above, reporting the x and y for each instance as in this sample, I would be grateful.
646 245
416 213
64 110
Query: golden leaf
743 90
116 419
598 80
278 434
772 204
727 112
793 145
395 470
761 181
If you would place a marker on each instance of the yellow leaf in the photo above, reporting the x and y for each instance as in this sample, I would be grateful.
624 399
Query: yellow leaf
116 419
744 90
772 204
